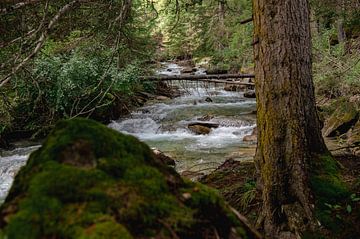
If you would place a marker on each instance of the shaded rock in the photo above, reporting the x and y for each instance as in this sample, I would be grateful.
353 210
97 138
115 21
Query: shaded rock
250 94
216 71
89 181
163 157
341 120
208 99
206 124
202 127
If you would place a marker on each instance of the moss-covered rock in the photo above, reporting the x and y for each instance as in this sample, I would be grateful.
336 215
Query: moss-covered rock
89 181
342 119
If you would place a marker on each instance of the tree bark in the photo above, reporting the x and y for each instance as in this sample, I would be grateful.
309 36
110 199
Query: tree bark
288 125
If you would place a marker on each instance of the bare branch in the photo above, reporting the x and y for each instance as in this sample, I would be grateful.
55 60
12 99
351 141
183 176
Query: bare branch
40 41
18 6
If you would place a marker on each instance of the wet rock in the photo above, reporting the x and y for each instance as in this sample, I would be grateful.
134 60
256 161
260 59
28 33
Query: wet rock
163 157
199 129
202 127
208 99
250 94
89 181
161 97
206 124
252 138
341 120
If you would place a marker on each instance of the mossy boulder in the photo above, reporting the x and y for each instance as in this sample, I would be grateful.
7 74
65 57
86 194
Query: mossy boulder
342 119
89 181
354 136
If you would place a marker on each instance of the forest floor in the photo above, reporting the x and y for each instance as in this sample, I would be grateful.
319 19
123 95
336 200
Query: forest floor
236 182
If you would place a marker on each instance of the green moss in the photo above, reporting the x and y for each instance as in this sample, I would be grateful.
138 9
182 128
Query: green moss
88 181
328 188
108 230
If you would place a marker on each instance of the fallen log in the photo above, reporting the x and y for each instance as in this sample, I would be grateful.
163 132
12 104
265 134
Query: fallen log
224 78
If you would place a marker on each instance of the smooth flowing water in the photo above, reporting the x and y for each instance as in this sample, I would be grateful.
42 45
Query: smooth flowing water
163 125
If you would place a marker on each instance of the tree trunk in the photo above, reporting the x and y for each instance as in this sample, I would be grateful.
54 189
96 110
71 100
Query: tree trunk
221 33
340 23
289 129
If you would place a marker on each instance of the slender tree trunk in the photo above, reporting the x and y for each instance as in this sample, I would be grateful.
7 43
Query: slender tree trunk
221 33
340 23
288 125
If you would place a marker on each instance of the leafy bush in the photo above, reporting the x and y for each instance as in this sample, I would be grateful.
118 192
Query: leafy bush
65 86
336 71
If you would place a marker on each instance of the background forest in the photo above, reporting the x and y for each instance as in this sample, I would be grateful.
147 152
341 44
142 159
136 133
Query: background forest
88 58
86 61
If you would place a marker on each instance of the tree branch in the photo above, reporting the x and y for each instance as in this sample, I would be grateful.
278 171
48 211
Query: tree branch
17 6
40 41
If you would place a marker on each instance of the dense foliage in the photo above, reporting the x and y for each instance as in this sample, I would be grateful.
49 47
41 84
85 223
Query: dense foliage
89 59
86 64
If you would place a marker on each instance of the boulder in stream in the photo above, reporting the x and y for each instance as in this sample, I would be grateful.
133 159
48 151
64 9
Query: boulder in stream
250 94
202 127
89 181
163 157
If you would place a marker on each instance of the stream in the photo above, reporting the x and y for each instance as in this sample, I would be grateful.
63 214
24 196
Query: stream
162 124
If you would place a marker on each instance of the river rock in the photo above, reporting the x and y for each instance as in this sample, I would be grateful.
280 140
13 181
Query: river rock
250 94
163 157
341 120
252 138
161 97
199 129
208 99
202 127
89 181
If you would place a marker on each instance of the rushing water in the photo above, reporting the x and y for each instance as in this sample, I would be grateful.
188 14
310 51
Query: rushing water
163 124
10 163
